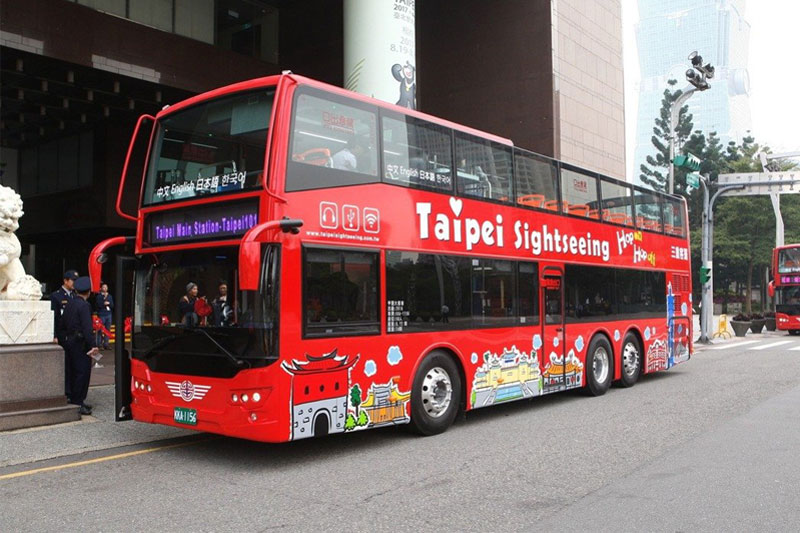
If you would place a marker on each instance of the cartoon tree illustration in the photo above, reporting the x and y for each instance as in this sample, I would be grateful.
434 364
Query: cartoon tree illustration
350 423
362 419
355 397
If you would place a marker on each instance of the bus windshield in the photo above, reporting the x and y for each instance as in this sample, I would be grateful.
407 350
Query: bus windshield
789 260
190 317
211 148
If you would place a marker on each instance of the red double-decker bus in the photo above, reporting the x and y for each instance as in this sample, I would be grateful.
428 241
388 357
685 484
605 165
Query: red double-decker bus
311 261
785 287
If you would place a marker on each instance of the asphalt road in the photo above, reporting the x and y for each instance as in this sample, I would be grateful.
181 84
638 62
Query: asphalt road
708 446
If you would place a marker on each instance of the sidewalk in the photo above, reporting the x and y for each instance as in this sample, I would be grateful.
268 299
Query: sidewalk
96 432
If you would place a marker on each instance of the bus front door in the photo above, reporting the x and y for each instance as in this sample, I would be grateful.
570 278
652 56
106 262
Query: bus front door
551 353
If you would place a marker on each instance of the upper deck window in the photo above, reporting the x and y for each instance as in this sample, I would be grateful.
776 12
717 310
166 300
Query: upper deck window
211 148
617 203
674 223
535 179
648 210
417 153
578 194
483 168
333 142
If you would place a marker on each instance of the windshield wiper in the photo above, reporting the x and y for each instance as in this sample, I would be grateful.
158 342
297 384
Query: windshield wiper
239 363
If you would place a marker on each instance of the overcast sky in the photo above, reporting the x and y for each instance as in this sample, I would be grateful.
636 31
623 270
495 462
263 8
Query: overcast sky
773 66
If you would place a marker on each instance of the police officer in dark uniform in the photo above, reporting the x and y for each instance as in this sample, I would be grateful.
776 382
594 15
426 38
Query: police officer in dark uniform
79 343
58 302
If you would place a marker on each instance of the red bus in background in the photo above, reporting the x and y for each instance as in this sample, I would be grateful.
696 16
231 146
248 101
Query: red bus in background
785 287
382 266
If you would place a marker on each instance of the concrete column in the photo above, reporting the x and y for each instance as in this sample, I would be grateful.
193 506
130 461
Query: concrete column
380 50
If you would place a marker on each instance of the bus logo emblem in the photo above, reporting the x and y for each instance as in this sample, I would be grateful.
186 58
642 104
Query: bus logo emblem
187 391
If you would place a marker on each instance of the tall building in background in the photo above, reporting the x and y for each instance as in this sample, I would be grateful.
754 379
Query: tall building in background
668 30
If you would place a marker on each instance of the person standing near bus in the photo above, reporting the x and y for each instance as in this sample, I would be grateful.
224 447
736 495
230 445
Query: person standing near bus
104 303
58 302
79 343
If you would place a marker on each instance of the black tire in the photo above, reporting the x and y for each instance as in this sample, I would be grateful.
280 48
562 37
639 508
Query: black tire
794 332
435 394
599 367
630 360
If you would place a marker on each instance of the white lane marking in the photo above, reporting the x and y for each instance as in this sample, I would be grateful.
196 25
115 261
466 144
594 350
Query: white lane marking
795 349
732 345
765 346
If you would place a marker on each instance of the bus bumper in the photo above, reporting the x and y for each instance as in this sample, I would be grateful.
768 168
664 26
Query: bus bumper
246 406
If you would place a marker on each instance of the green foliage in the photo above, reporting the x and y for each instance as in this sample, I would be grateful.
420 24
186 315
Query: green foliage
655 173
355 396
350 423
362 419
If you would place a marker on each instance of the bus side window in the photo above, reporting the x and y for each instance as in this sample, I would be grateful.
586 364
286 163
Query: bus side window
484 169
535 180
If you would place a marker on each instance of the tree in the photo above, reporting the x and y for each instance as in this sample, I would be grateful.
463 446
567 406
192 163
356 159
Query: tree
745 225
655 172
355 397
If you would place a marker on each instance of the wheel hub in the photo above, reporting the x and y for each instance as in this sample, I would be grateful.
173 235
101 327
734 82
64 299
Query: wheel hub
600 365
437 392
630 359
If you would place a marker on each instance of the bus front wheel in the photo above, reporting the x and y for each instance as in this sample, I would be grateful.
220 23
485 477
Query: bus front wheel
794 332
631 361
598 366
435 395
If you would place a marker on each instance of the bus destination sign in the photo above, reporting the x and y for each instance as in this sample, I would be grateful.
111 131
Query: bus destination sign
202 223
790 279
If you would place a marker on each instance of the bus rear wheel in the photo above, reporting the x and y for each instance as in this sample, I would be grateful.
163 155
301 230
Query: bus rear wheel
794 332
631 361
598 366
435 394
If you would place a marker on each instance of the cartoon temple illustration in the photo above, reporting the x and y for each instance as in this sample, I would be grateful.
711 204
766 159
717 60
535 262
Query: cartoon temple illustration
319 394
509 376
562 373
385 404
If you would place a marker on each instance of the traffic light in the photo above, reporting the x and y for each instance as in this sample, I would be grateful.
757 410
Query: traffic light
705 275
690 161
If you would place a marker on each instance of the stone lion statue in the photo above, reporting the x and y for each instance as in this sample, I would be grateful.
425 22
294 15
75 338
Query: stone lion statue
15 284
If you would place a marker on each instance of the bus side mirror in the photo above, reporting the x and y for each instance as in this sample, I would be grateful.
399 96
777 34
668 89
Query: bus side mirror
250 250
771 289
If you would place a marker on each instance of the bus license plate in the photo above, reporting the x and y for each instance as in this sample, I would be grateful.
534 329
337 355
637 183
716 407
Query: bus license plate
184 415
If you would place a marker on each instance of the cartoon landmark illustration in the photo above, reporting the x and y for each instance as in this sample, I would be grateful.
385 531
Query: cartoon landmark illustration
509 376
385 404
657 355
562 373
319 394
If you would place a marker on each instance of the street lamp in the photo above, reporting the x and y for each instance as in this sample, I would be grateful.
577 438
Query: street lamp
698 77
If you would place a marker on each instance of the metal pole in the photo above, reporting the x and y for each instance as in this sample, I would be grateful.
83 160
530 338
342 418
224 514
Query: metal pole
673 119
706 300
776 206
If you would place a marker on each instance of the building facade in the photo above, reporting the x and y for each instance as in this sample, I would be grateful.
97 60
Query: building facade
76 75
